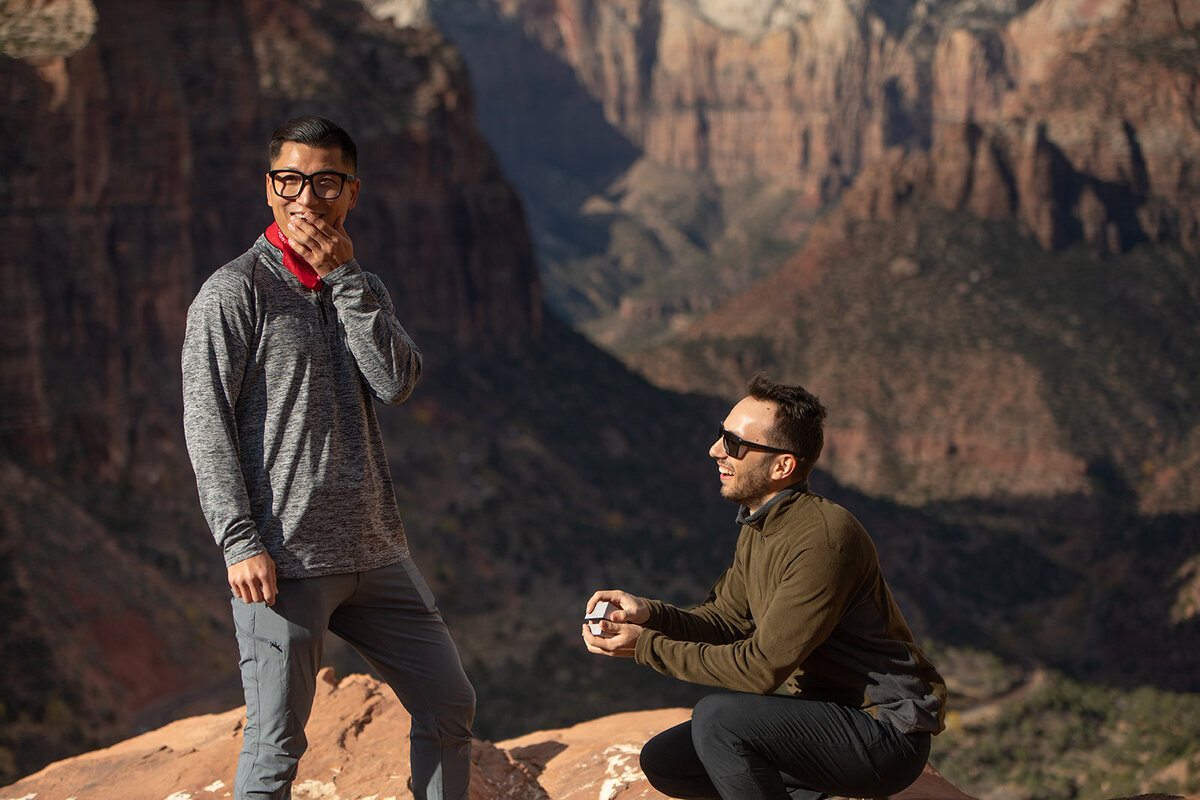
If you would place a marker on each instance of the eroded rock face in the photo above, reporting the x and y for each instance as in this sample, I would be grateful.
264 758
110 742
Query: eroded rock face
1071 123
789 93
358 747
1076 119
138 171
134 150
1073 118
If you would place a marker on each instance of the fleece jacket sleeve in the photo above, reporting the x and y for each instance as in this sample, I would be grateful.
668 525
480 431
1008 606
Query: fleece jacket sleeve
816 588
723 617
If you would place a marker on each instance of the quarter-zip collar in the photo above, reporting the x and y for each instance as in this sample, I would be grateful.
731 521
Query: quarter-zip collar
758 518
272 256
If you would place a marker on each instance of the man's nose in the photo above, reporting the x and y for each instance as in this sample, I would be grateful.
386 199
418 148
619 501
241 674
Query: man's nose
718 449
307 196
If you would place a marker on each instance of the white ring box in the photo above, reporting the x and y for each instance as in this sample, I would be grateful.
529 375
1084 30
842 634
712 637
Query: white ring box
603 610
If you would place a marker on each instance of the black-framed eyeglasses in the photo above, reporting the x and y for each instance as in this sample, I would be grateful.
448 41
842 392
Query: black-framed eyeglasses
736 447
289 183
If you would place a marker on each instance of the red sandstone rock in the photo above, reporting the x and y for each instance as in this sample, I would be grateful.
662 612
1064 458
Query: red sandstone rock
134 140
1074 118
358 749
597 759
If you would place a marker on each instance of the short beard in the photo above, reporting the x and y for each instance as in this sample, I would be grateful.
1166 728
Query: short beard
751 487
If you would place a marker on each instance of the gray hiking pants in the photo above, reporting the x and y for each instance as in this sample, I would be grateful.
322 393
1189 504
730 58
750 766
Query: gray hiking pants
389 616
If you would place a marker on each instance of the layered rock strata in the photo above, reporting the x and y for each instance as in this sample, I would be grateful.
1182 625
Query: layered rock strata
1075 118
132 168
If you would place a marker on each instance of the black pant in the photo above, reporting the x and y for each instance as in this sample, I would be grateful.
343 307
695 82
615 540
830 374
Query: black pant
741 746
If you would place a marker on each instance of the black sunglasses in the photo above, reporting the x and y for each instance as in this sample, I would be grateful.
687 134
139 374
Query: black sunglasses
736 447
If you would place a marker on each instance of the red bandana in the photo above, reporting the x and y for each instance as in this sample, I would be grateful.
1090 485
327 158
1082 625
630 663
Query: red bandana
295 264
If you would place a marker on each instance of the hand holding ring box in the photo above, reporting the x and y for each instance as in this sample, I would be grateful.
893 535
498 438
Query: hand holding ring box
603 610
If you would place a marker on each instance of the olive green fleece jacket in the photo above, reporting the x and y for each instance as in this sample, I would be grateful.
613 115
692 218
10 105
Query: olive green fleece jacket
802 610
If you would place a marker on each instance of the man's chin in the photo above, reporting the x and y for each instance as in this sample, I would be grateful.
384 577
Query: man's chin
751 501
731 494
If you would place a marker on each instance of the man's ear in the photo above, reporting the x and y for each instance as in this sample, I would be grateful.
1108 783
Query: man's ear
785 466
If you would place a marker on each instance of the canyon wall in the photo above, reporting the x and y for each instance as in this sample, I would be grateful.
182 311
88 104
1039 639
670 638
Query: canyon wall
132 169
134 151
1068 125
1075 118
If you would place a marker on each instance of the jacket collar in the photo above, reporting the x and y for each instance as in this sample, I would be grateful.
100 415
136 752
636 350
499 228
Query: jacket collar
758 519
273 258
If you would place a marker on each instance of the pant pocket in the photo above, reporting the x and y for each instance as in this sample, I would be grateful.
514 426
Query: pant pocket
418 582
244 618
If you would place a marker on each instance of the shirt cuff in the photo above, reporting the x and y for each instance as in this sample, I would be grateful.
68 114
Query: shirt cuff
343 272
643 650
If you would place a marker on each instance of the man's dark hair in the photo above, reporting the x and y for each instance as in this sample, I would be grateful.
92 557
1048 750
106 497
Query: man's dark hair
799 417
313 131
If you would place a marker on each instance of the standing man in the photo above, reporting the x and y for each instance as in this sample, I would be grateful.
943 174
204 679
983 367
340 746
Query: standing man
285 348
829 693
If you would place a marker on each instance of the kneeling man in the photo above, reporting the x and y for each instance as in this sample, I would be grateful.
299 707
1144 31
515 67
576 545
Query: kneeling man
829 694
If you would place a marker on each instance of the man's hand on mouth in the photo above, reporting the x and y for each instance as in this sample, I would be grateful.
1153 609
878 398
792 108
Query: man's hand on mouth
325 247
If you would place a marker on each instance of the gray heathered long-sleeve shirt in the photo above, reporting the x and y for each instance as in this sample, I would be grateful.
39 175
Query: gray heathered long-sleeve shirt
278 382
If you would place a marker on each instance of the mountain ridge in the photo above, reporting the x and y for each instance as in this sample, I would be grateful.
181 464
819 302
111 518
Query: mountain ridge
1075 120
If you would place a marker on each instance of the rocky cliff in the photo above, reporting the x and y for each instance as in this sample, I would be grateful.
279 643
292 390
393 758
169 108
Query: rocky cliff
134 147
356 750
1070 126
530 467
1041 251
1078 118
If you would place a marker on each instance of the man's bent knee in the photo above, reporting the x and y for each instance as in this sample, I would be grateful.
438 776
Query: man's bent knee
458 713
670 764
449 719
710 721
655 760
